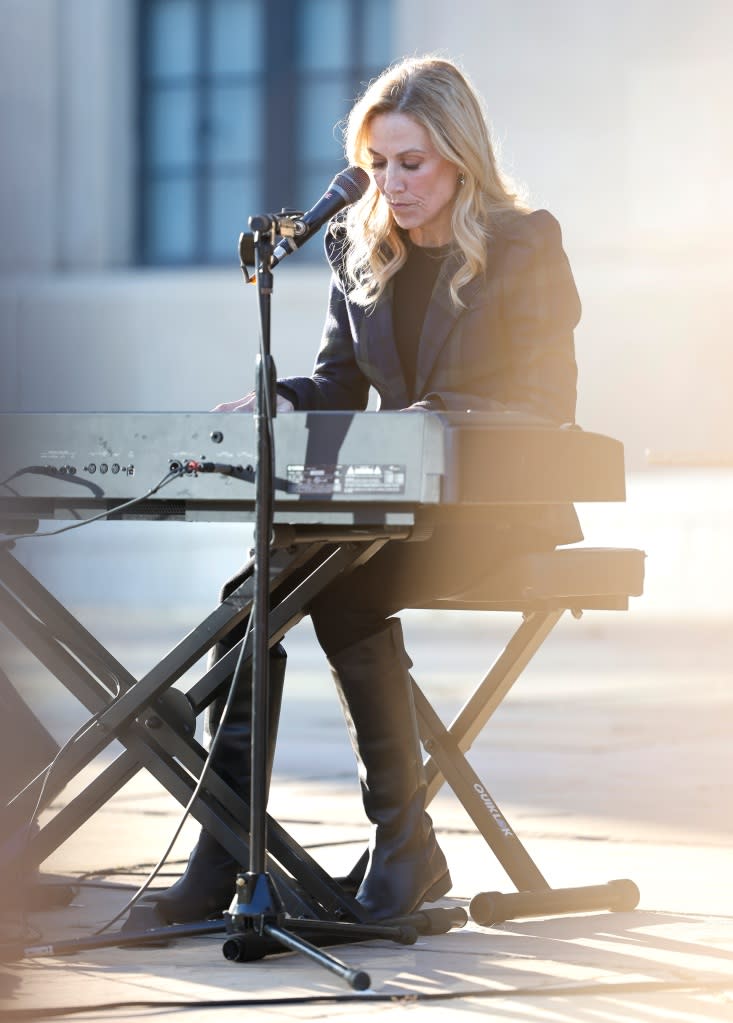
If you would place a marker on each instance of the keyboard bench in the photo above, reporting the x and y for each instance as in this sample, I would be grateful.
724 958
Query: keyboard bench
542 586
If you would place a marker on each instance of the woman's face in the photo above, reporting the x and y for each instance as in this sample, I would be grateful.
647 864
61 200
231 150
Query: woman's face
418 184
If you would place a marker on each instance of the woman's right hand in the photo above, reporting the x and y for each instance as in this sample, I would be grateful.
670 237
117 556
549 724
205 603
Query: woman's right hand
247 404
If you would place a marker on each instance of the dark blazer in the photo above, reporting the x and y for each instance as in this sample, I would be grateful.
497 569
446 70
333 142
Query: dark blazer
511 347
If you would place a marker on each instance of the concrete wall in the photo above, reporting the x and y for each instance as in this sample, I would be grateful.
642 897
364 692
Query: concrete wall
66 105
28 73
156 340
613 113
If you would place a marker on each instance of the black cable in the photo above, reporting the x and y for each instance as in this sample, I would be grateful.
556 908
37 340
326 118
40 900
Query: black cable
601 989
168 478
49 470
75 882
132 871
194 795
46 773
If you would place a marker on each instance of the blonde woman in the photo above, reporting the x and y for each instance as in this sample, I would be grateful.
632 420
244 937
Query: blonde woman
447 294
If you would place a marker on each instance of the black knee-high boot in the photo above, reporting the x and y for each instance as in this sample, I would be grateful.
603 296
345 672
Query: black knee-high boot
207 886
406 866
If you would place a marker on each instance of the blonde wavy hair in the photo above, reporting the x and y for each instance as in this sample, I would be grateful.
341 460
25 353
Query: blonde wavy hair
438 96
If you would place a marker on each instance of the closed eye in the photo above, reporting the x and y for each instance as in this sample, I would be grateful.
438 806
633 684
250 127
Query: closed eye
405 166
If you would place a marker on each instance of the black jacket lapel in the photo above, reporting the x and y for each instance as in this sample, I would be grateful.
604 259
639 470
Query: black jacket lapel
379 352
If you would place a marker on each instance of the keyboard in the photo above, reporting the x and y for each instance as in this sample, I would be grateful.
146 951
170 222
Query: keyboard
331 467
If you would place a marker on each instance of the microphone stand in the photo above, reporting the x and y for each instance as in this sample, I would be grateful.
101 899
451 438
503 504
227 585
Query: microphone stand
256 920
257 909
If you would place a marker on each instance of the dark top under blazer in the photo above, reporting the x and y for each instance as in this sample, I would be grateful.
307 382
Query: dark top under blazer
511 347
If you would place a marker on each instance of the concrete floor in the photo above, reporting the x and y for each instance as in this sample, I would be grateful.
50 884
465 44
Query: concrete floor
611 759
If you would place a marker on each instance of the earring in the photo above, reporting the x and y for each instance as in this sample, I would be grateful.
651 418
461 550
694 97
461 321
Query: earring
461 178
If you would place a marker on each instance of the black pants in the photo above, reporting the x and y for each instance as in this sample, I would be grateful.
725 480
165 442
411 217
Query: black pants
410 574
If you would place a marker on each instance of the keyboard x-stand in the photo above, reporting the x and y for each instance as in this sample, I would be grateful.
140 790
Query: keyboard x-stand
321 530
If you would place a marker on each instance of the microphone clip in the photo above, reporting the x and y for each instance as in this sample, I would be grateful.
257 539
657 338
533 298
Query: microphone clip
290 223
286 225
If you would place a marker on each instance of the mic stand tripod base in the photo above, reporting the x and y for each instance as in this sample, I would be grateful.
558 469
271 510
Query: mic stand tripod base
255 925
257 909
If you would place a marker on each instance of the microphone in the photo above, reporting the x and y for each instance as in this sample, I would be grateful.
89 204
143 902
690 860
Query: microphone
346 188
